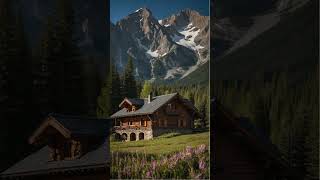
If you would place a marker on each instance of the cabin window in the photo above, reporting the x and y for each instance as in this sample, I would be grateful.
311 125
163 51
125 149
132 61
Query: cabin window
170 108
143 123
118 123
184 123
160 123
67 149
181 123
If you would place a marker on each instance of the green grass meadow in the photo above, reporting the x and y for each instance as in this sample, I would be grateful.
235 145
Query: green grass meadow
164 144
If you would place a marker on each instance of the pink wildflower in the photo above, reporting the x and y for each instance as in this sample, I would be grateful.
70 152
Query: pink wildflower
200 149
154 164
202 165
148 174
189 150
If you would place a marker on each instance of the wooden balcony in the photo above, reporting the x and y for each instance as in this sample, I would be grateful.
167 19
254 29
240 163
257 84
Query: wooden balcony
133 127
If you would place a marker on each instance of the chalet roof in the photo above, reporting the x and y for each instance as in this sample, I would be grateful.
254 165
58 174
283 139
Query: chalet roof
147 108
133 101
83 125
150 108
38 162
73 126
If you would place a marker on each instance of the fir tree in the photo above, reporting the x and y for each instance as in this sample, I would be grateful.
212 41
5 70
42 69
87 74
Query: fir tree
115 89
104 106
129 83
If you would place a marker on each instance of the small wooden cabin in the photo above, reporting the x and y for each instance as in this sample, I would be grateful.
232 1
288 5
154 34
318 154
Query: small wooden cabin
241 152
141 119
71 147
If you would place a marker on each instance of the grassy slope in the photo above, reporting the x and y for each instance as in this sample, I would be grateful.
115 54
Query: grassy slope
164 144
292 44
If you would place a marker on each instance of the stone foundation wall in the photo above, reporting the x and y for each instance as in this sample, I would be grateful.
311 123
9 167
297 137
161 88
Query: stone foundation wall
135 134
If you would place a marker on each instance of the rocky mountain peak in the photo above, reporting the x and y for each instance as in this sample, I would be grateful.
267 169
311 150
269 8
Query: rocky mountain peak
160 51
189 13
184 18
144 11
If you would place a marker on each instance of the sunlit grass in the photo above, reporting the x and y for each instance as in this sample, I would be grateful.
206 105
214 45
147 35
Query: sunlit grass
165 144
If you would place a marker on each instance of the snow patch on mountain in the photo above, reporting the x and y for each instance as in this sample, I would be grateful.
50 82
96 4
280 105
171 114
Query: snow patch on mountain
187 36
138 10
174 72
153 53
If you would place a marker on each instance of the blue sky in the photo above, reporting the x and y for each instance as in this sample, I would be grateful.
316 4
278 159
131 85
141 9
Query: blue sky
160 8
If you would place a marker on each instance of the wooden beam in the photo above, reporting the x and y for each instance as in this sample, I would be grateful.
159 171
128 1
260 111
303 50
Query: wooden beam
50 121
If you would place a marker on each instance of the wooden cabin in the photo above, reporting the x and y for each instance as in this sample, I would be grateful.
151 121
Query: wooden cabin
70 148
241 151
140 119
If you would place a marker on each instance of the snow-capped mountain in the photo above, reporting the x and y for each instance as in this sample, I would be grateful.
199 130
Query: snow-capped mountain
166 49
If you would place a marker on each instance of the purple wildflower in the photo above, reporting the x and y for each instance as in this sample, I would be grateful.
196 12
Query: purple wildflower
200 149
164 161
154 164
202 165
148 174
189 150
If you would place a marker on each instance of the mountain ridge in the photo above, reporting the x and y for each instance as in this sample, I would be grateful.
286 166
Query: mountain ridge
161 51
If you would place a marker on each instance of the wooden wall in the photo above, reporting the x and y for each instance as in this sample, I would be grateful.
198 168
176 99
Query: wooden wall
171 115
136 120
177 117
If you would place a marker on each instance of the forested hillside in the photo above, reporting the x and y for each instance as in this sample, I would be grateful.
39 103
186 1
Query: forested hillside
54 76
288 113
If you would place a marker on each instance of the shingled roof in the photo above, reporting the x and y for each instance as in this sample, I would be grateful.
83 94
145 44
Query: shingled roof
71 126
147 108
38 162
133 101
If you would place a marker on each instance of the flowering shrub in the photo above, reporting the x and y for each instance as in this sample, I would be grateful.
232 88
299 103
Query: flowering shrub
190 163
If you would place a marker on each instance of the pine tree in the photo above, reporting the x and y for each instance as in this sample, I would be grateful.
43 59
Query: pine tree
129 83
64 65
260 115
191 98
115 89
104 106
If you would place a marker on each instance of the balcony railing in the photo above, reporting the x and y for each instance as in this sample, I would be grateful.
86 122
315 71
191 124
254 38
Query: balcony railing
133 127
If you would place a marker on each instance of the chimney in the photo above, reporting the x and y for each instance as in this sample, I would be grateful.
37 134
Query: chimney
149 98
